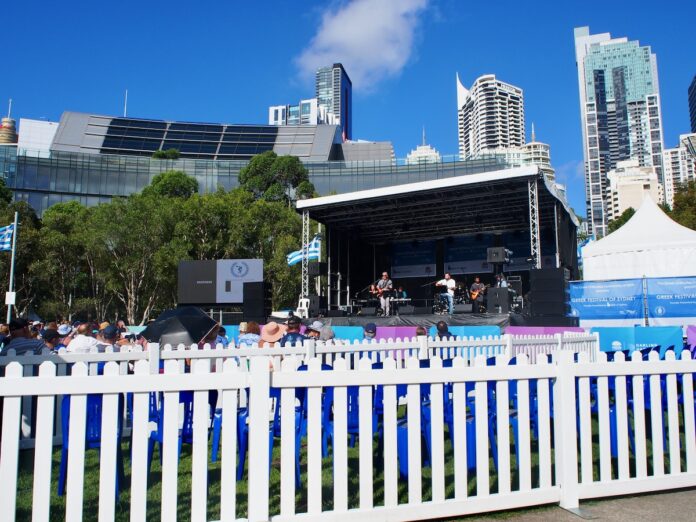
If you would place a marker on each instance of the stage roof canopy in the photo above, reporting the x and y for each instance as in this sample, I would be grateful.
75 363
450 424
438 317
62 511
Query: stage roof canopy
488 202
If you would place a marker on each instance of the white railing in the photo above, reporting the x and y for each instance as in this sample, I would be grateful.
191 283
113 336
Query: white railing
352 352
641 412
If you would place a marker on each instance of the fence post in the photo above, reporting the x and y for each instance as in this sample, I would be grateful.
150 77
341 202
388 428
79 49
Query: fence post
565 434
423 347
153 355
259 465
595 348
310 347
559 342
508 345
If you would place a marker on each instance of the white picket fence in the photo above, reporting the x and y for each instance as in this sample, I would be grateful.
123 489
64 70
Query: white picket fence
539 418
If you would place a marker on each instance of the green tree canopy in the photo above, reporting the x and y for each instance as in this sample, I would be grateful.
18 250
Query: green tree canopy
684 208
5 193
620 221
276 178
172 184
167 154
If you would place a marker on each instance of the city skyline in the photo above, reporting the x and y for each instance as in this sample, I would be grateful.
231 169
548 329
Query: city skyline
394 97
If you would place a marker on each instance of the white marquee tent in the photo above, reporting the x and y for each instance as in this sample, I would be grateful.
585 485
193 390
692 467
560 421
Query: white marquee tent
650 244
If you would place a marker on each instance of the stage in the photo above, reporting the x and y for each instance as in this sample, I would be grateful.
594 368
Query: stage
501 320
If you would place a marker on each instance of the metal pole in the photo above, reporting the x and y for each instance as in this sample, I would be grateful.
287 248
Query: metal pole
555 228
12 263
534 239
328 268
348 274
305 254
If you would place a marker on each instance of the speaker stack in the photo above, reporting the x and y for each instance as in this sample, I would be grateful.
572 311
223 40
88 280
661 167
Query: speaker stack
254 304
317 269
498 300
317 305
550 299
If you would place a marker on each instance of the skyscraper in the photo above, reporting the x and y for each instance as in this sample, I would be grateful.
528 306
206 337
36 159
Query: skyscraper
679 165
490 116
334 90
692 104
620 112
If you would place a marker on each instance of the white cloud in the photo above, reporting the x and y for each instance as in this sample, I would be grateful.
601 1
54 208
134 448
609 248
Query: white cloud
373 39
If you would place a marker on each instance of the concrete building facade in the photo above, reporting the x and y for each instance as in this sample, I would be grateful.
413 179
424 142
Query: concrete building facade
629 183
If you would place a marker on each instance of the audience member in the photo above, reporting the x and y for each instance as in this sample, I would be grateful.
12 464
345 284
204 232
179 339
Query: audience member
420 331
293 334
272 332
370 330
313 331
443 330
251 335
83 341
327 334
21 340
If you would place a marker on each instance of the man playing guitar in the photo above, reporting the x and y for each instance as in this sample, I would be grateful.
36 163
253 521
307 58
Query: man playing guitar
382 289
477 290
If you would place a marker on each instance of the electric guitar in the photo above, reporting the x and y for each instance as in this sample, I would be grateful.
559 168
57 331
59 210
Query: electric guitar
476 293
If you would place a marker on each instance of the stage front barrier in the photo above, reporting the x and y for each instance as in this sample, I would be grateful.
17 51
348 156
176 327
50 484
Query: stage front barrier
691 337
468 331
549 457
542 330
634 338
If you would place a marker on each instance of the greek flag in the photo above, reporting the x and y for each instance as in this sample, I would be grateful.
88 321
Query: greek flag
6 237
313 249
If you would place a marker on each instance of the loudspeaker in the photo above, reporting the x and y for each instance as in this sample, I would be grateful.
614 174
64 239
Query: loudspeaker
407 310
368 310
317 269
549 292
465 308
336 313
422 310
495 255
557 274
254 291
498 301
317 305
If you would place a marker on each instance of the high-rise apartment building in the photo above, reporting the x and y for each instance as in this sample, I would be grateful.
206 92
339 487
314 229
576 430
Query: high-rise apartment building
692 104
679 165
307 112
620 113
334 91
490 116
628 185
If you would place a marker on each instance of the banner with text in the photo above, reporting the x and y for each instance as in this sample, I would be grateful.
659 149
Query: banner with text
413 259
671 298
620 301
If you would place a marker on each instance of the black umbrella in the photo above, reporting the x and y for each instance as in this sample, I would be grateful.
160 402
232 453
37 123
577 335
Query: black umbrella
187 325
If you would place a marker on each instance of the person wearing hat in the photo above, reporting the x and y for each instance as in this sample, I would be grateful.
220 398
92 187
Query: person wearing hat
21 339
52 339
370 330
108 338
313 331
326 334
293 334
272 332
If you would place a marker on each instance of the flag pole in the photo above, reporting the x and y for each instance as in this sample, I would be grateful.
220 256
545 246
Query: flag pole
12 263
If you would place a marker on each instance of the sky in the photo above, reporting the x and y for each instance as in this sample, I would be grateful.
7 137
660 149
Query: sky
228 61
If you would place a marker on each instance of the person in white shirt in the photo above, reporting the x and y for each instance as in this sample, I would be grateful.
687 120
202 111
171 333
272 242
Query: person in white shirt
83 342
449 284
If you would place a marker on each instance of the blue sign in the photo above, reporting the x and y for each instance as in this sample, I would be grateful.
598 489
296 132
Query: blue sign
616 338
672 297
467 254
665 337
617 299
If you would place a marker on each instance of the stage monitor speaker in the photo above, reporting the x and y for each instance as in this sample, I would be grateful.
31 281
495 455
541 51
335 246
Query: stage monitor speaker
336 313
464 308
496 255
369 311
498 301
407 310
422 310
317 269
317 305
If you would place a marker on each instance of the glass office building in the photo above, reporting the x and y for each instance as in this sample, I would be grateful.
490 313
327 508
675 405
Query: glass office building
334 91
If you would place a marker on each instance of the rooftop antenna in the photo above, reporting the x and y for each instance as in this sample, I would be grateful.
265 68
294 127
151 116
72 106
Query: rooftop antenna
9 109
423 135
125 105
533 133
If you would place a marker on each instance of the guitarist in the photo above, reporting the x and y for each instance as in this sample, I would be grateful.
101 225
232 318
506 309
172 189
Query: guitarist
383 290
477 290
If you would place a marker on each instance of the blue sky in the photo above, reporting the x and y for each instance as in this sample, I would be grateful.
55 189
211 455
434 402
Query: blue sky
228 61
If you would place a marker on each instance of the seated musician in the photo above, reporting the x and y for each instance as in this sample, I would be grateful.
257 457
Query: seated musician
448 285
477 289
401 293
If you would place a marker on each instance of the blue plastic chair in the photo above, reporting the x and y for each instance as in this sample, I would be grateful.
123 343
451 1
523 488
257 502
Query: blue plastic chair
92 437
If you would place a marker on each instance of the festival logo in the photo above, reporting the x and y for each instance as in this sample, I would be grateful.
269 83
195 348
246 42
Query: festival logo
659 311
239 269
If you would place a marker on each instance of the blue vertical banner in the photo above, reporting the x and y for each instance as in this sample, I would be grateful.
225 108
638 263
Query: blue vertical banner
413 259
671 298
615 302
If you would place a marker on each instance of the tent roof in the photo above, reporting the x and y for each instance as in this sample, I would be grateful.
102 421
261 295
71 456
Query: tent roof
649 229
487 202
